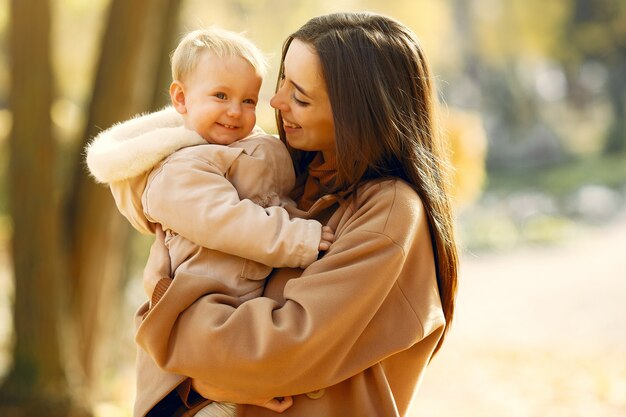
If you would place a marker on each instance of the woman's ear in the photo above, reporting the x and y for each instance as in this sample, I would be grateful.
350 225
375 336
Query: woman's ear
177 95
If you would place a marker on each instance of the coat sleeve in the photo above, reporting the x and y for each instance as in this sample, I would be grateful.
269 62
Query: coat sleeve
192 197
347 312
133 147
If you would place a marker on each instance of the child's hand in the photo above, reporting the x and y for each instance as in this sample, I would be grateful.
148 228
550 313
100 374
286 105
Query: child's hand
328 237
277 405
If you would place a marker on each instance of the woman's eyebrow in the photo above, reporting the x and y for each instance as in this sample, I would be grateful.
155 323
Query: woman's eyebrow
300 89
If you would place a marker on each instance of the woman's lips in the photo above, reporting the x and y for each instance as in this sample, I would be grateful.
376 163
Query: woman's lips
290 125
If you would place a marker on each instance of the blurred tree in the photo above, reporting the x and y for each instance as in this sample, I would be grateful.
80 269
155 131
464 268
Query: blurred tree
70 246
496 77
596 32
467 144
36 384
137 36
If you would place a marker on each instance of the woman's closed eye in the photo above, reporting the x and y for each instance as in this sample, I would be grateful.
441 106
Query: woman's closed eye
298 101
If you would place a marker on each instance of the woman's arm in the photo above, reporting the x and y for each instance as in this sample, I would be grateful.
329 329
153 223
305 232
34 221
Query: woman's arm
348 311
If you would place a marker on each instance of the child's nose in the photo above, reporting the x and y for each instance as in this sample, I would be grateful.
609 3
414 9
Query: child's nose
234 110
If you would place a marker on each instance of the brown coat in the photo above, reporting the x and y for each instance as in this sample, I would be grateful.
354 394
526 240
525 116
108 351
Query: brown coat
351 335
221 206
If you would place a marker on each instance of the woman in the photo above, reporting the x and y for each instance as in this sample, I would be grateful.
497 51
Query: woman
353 333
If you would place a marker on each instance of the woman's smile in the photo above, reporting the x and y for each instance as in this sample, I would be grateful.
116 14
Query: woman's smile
290 125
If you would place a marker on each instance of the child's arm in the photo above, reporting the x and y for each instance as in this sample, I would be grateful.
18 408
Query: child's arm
190 196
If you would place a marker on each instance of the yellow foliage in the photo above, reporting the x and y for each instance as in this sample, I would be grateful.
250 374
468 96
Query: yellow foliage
467 147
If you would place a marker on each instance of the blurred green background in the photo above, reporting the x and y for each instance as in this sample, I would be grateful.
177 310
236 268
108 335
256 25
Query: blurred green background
533 100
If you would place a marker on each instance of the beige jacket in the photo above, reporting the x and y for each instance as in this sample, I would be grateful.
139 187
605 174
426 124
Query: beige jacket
351 336
219 205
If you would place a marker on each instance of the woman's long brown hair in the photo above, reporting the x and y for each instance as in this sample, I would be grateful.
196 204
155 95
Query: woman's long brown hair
383 100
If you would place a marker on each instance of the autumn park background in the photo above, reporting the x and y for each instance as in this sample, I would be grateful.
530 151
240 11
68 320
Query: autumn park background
534 106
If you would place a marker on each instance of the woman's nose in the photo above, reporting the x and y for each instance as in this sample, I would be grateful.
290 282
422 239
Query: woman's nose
278 102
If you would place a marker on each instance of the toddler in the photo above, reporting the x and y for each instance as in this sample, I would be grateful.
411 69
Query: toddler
215 183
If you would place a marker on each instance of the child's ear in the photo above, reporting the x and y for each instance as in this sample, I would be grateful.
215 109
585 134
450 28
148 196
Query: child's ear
177 95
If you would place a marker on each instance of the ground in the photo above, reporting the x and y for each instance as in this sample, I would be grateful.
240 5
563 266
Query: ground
538 331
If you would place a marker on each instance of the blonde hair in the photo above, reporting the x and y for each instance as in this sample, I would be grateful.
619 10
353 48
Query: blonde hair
217 41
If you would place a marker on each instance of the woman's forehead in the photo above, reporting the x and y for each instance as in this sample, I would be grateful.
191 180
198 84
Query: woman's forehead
302 65
302 60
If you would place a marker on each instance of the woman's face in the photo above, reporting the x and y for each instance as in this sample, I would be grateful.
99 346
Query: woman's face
302 100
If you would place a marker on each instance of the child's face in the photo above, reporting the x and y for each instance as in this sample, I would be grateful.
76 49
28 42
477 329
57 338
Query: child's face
219 98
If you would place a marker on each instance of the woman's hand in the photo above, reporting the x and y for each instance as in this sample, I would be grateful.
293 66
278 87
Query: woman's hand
278 405
158 265
328 237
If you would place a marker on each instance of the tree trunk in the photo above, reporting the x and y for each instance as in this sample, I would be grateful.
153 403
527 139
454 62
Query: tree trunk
36 384
168 39
77 251
616 139
132 46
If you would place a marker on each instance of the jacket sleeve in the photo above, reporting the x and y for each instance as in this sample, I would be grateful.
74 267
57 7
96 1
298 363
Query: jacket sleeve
192 197
133 147
348 311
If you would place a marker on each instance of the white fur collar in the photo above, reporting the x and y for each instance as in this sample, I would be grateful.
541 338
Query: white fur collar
133 147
